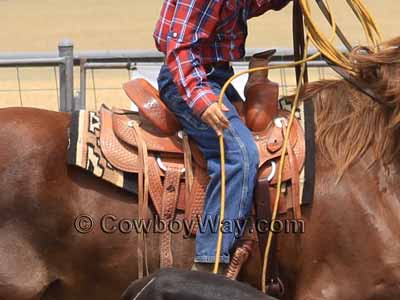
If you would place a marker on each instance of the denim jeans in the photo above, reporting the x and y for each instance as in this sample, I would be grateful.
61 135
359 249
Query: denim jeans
241 161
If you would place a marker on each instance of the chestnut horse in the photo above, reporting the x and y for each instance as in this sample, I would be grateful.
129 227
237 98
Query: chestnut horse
350 248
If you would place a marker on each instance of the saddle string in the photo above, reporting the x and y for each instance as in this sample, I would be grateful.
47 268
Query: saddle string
187 158
143 191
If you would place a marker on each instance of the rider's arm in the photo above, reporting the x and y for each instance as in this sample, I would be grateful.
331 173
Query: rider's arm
193 22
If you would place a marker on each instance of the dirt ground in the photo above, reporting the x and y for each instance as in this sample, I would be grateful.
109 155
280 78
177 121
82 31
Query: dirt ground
127 24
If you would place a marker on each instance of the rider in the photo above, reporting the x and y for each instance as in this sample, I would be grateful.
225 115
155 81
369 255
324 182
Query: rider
199 39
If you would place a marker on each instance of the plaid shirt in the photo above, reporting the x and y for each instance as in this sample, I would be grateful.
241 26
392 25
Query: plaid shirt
192 33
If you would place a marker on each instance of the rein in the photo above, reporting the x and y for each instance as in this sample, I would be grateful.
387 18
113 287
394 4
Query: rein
362 87
298 39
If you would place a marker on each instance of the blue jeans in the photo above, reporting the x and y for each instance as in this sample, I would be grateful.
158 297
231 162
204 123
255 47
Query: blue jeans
241 156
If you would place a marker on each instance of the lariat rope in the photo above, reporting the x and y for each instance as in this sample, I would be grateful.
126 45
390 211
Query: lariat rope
327 49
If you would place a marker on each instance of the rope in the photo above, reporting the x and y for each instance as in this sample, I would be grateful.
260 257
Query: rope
321 42
325 45
371 30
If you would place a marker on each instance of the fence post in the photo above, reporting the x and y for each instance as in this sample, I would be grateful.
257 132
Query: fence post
66 49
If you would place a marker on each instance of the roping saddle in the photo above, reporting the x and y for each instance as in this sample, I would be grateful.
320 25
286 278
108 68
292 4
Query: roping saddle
170 167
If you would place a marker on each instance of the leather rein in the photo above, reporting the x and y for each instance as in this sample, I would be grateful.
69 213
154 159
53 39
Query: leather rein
362 87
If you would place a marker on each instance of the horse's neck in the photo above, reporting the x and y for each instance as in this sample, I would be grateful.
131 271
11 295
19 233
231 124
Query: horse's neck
375 187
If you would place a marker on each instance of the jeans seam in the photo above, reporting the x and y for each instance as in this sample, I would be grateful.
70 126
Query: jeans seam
246 171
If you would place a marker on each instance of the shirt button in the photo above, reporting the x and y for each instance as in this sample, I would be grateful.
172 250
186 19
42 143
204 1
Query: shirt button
174 34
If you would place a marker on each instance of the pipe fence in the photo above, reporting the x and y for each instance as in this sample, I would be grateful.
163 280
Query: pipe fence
64 64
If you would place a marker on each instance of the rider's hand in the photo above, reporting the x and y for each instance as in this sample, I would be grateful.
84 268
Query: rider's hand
215 118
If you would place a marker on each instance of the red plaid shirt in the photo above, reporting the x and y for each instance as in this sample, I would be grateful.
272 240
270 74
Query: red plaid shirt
192 33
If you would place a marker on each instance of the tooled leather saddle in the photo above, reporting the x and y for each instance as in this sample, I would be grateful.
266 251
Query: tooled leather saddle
171 169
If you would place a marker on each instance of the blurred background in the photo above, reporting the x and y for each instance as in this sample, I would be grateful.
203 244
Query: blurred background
38 26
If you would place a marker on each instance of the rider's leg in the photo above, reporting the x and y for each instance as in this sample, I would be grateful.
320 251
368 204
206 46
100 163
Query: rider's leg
241 167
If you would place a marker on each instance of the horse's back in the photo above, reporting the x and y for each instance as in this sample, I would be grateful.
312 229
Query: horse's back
29 125
31 141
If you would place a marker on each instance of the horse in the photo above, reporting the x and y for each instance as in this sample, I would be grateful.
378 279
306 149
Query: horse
349 250
187 285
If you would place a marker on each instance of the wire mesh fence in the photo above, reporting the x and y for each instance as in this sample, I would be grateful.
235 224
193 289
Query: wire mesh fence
39 86
27 86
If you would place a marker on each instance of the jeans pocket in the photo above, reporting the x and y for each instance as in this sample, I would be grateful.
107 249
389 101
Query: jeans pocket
177 105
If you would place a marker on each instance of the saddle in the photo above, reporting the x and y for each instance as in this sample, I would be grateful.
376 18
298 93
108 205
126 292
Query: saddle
170 167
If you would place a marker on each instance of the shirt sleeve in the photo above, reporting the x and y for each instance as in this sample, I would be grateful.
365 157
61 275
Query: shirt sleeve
193 22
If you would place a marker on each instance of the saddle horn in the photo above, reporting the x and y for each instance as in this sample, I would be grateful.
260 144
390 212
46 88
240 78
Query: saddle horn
261 94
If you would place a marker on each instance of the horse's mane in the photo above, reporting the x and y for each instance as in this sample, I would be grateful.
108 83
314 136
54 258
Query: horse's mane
348 121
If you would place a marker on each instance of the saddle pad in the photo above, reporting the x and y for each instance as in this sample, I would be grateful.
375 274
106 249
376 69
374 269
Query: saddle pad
84 151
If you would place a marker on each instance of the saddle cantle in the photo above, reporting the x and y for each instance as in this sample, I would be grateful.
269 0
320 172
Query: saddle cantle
146 97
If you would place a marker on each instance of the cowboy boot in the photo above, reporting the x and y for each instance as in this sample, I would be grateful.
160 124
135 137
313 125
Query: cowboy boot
261 94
